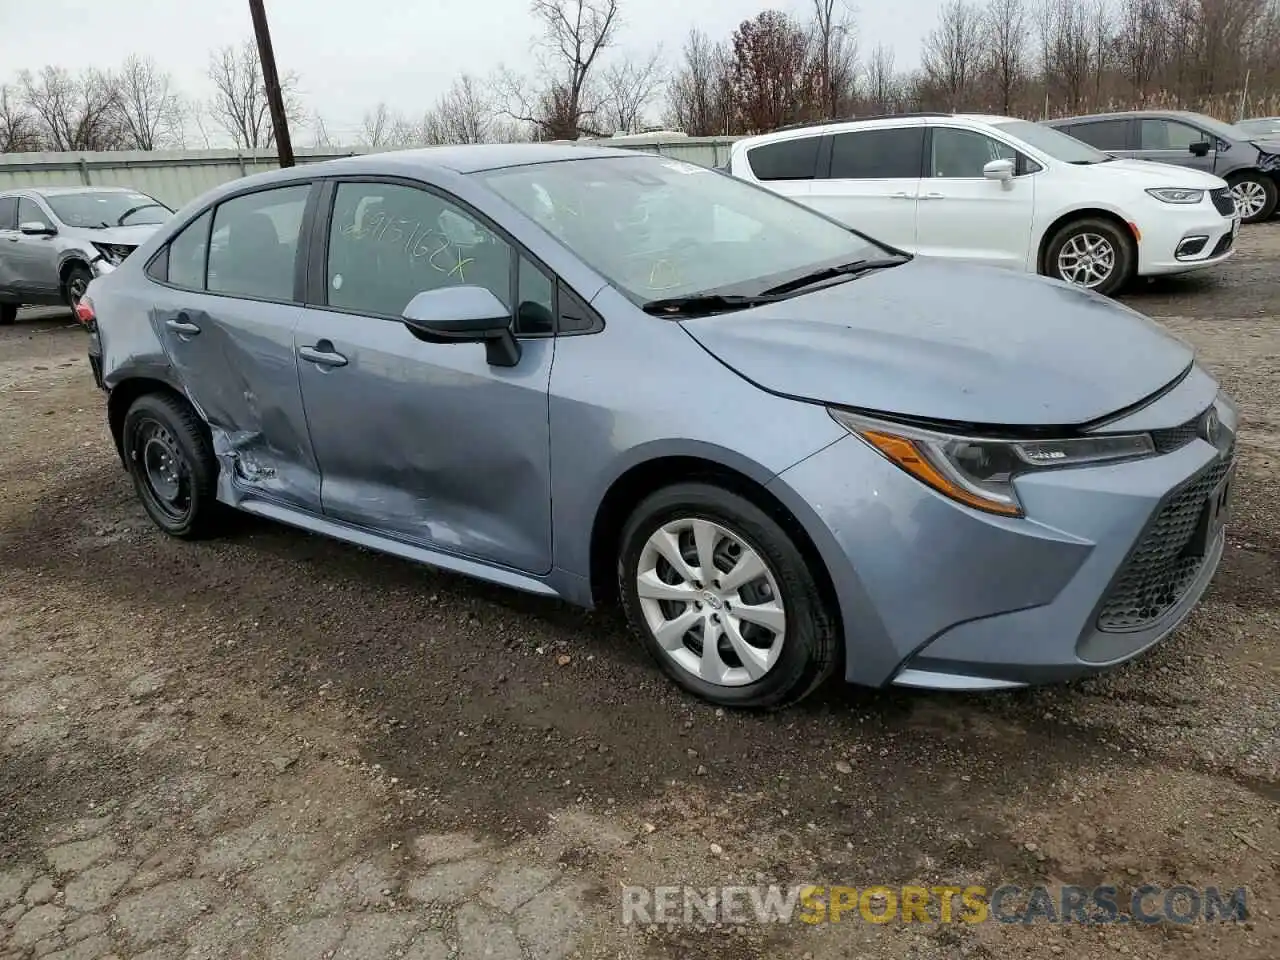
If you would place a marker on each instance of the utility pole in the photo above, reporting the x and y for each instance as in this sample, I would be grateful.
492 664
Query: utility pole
271 80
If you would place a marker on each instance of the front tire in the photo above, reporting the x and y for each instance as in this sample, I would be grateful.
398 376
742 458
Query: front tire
1255 195
773 639
77 282
172 465
1092 253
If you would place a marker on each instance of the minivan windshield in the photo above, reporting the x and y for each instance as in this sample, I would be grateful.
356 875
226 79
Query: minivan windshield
1052 142
658 228
107 208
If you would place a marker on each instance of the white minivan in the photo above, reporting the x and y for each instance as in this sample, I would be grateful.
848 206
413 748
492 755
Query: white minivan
1000 191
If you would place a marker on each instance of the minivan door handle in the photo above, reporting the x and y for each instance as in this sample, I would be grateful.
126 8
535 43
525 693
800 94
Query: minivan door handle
182 326
323 354
901 195
933 196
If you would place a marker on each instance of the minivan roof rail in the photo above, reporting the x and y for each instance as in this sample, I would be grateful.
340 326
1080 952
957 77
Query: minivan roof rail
876 116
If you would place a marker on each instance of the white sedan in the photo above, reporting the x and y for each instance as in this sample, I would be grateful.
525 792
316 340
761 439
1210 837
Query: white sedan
1000 191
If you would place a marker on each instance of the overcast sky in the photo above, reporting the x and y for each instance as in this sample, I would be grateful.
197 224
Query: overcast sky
349 54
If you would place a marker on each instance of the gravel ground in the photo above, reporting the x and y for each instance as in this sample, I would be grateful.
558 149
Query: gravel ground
274 745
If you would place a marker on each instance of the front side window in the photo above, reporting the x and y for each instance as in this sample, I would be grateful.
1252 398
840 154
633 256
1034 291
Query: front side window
29 212
1103 134
388 243
254 247
891 154
1169 135
795 159
8 213
959 154
658 228
1051 142
108 208
187 252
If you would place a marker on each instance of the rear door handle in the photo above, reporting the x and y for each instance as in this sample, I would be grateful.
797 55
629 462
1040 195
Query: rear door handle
901 195
323 354
182 326
933 196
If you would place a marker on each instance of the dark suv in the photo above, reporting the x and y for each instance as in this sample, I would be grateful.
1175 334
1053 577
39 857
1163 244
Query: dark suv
1248 162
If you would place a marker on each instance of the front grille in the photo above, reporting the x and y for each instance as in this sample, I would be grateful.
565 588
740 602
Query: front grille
1175 438
1222 201
1222 246
1159 570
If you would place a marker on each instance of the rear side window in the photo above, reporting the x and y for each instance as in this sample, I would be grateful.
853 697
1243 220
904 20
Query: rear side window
785 160
1102 134
8 213
254 246
891 154
187 252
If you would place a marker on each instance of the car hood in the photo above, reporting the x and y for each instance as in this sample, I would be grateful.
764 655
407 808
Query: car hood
945 341
125 236
1154 173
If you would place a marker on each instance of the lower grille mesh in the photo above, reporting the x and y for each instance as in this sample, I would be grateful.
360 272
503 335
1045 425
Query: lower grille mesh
1158 571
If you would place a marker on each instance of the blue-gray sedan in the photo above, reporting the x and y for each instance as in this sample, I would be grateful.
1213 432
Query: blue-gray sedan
592 374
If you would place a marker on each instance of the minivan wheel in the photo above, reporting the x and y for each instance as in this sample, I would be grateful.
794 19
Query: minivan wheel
1255 195
77 282
8 314
1090 253
172 465
723 599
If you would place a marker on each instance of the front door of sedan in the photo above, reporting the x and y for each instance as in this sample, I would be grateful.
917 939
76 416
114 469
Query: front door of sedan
33 257
426 442
963 214
873 184
225 308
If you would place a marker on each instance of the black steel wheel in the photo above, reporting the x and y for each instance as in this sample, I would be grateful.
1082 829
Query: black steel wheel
172 465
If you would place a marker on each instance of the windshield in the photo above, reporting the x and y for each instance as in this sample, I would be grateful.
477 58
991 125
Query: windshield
659 228
1258 128
95 208
1225 130
1053 142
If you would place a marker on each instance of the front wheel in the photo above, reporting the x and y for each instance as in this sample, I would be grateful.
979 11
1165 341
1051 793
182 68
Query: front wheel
723 599
1255 195
77 282
1094 254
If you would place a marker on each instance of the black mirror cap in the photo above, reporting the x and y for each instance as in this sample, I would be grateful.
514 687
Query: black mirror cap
1200 148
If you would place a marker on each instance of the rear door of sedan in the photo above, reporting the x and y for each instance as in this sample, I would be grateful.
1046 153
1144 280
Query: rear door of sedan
224 304
426 442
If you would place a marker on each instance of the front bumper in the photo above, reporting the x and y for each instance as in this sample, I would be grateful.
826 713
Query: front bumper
1180 239
938 595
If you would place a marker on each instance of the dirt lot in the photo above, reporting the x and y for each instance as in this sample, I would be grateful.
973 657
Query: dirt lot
272 745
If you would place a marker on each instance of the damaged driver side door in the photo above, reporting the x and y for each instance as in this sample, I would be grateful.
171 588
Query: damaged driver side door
226 316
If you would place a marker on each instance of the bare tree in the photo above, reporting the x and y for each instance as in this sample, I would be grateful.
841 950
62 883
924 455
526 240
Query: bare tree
320 136
953 50
774 79
239 105
465 112
19 132
629 86
574 34
150 110
376 127
1006 45
1141 44
1067 51
700 94
74 112
836 55
883 88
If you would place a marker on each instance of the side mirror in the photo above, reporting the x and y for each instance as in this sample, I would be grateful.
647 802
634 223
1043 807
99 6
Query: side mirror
466 314
998 170
34 228
1201 148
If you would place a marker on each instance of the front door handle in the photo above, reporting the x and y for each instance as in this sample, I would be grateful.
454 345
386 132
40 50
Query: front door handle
182 326
323 354
933 196
901 195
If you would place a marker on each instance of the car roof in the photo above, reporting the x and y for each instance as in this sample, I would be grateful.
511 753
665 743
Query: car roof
58 191
1121 114
855 123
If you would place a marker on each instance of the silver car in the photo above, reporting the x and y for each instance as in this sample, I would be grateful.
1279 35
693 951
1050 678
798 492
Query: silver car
50 237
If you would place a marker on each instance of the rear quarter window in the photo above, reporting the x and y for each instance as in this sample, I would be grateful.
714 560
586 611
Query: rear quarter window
795 159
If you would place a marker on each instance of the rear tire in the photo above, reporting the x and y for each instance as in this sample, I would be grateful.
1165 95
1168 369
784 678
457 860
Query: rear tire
1256 193
1092 253
172 465
755 664
8 314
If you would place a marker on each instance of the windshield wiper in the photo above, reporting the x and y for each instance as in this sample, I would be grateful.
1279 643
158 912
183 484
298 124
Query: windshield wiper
703 303
848 270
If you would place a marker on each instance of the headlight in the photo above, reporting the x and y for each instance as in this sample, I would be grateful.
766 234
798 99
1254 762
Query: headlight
978 471
1176 194
113 252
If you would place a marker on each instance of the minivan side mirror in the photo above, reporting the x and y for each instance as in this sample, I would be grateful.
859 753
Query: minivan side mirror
1201 148
34 228
465 314
998 170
